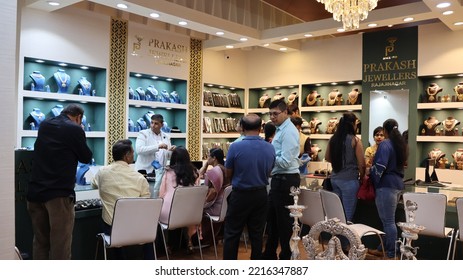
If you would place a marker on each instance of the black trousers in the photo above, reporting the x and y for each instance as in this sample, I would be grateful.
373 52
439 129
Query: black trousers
279 223
245 208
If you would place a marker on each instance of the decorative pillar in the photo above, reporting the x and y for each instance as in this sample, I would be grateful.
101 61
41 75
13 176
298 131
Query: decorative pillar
117 115
195 88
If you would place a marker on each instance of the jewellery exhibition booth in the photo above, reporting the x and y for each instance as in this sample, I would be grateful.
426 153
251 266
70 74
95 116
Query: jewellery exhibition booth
389 86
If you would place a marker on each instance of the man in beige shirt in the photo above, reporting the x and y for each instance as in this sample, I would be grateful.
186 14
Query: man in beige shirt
120 180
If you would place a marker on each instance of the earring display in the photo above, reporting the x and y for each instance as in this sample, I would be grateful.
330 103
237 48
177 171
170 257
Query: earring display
63 80
459 92
429 127
37 117
450 126
312 98
432 91
85 86
38 81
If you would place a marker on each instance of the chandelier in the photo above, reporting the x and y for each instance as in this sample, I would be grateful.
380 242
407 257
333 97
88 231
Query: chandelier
350 12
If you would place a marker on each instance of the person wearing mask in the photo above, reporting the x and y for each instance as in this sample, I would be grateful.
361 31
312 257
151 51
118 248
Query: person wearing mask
345 152
180 173
119 180
285 174
247 203
61 143
387 174
378 136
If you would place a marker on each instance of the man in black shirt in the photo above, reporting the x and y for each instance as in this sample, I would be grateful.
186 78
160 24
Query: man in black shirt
60 144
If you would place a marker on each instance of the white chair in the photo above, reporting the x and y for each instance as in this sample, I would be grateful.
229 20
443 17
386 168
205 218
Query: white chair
135 222
459 233
186 210
430 214
221 217
313 213
17 254
334 209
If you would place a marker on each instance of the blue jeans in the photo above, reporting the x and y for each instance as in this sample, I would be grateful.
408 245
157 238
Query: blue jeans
347 191
386 203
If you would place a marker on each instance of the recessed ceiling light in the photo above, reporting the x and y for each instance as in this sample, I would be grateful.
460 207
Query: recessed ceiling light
334 83
438 76
63 64
219 33
210 85
458 23
84 67
137 75
53 3
277 87
390 25
39 61
408 19
446 13
221 86
182 22
460 75
243 39
291 86
154 77
264 88
372 25
266 45
169 79
340 30
232 88
308 35
284 39
443 5
154 15
350 82
122 6
229 46
283 49
318 85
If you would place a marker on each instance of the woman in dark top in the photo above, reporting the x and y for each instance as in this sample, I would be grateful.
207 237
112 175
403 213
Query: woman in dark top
387 175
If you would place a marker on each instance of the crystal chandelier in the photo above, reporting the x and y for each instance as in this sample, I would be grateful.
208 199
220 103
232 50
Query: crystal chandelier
350 12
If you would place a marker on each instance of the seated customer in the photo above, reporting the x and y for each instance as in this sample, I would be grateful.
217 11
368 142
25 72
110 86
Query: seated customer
120 180
180 172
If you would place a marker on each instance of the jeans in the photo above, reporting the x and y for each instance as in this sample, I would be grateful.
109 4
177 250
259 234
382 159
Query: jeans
347 191
386 203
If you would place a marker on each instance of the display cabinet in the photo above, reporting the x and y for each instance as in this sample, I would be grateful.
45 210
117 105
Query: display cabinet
440 135
49 86
150 94
223 106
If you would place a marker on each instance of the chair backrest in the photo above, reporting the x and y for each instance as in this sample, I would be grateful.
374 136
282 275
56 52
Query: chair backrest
459 204
430 212
333 206
187 206
313 213
135 221
223 210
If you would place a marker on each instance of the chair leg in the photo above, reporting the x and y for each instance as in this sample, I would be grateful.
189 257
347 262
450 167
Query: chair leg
105 257
455 243
199 242
450 245
213 237
96 249
154 250
165 244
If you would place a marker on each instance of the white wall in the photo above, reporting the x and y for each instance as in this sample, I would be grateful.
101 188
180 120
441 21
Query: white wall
231 71
8 105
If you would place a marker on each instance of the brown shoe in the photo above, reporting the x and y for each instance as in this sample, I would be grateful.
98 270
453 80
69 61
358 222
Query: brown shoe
375 252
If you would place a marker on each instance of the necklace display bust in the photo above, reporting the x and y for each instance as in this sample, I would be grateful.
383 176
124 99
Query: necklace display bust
334 97
315 149
85 86
133 94
278 96
57 110
459 91
141 123
63 80
332 125
450 128
131 126
38 81
37 117
152 94
293 98
313 126
354 97
430 126
264 101
165 96
432 91
311 99
436 154
141 93
175 98
458 157
147 117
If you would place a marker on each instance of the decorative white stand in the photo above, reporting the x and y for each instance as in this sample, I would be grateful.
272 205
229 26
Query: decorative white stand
296 213
409 233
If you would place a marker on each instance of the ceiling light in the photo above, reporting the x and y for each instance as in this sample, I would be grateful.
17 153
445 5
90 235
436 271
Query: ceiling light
221 86
340 30
390 25
446 13
137 75
408 19
266 45
169 79
308 35
53 3
154 77
122 6
182 22
219 33
84 67
264 88
277 87
154 15
63 64
334 83
283 49
229 46
438 76
39 61
210 85
243 39
232 88
460 75
372 25
350 13
458 23
284 39
350 82
443 5
318 85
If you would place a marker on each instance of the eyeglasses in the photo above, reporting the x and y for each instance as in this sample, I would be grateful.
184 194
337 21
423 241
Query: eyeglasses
274 114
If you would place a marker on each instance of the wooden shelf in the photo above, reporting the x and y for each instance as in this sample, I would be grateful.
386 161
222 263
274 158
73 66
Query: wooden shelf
63 97
440 105
228 110
153 104
337 108
448 139
221 135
